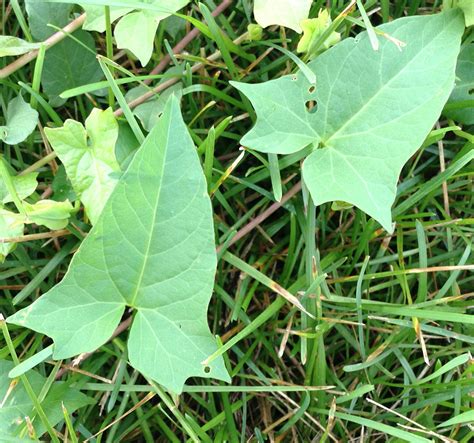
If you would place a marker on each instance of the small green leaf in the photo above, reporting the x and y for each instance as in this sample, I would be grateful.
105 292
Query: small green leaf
465 417
464 89
368 113
288 13
69 64
88 155
15 46
11 225
149 112
152 250
136 30
313 29
24 185
17 404
52 214
255 32
21 121
467 7
95 16
42 14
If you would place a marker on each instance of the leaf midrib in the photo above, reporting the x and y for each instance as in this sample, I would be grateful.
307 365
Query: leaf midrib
155 214
382 89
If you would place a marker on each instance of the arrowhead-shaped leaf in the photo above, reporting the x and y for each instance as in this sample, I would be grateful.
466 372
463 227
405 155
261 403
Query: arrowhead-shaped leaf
152 250
88 155
369 111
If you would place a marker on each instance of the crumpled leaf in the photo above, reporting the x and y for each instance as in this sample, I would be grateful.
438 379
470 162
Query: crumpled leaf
464 89
10 45
288 13
21 121
50 213
152 250
313 29
88 154
369 111
11 225
18 404
24 185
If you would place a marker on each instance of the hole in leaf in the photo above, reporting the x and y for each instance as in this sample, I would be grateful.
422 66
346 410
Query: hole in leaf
471 91
207 369
160 115
311 89
311 106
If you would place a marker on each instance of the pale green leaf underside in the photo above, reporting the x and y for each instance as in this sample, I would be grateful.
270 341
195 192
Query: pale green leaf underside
288 13
10 45
374 109
88 154
11 225
136 29
21 120
153 250
24 185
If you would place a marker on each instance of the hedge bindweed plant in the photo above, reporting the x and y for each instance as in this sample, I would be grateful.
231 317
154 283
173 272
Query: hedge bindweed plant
354 111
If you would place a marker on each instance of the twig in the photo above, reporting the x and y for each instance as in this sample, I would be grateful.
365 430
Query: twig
263 216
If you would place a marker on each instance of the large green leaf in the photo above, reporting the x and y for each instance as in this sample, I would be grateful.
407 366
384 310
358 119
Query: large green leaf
368 113
287 13
17 404
464 89
88 155
151 250
20 122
